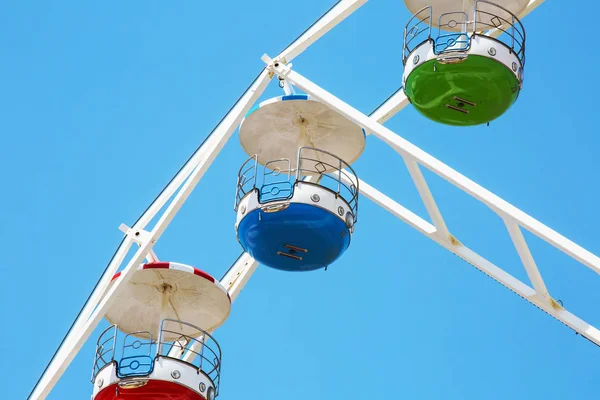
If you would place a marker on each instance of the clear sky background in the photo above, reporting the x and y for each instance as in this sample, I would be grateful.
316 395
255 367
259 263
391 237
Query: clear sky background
100 104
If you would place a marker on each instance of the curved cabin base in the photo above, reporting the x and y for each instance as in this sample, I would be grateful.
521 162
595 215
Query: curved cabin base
473 91
151 390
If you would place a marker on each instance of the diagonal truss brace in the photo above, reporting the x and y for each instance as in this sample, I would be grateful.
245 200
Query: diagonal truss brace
513 217
527 259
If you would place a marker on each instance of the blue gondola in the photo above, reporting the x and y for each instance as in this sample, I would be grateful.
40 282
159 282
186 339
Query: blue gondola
297 219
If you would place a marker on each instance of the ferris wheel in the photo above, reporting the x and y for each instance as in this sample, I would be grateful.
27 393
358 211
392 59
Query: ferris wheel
297 196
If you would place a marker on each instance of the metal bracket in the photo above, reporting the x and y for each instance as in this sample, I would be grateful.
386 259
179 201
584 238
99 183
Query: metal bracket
272 64
140 237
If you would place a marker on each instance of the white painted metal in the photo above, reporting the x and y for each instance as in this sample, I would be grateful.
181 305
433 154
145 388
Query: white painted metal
238 275
340 11
502 208
152 257
234 281
191 173
546 304
395 209
532 271
139 239
163 367
287 88
427 197
179 346
407 149
303 193
190 297
107 376
390 107
236 278
480 46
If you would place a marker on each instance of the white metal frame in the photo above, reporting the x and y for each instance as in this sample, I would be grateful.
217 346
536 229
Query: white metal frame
178 190
514 218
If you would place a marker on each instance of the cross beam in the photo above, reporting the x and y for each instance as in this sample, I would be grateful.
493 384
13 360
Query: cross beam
514 218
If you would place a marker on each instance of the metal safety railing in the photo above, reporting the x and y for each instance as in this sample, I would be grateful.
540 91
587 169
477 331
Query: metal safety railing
452 41
133 354
105 350
417 31
278 179
137 357
501 20
314 164
196 346
246 181
486 17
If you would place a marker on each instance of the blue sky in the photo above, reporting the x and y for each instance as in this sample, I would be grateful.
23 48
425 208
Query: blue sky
101 102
